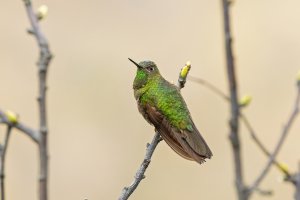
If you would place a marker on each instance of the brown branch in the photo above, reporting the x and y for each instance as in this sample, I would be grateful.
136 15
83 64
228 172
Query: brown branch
234 119
281 140
2 161
43 63
33 134
140 174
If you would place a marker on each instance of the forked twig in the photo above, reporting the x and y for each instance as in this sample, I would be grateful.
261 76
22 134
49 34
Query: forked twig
281 140
43 63
33 134
243 117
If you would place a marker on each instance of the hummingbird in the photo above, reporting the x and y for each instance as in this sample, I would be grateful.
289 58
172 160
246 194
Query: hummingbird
162 105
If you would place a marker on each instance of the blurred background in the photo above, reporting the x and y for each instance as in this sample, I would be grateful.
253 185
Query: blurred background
98 138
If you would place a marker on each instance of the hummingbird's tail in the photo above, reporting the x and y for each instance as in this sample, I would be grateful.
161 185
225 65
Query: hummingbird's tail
194 144
189 145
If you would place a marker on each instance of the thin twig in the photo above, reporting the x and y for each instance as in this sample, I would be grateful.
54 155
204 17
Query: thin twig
281 140
244 119
43 63
127 191
2 161
234 119
261 146
140 174
264 192
33 134
210 87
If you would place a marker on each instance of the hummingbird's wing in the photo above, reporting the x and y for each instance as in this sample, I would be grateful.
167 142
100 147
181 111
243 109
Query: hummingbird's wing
188 144
164 128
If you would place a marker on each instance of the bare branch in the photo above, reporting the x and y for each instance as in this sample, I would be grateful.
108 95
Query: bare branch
244 119
281 140
127 191
2 161
261 146
264 192
210 86
43 63
234 119
33 134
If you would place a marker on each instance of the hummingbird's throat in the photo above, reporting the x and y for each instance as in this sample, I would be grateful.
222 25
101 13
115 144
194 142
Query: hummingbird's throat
140 79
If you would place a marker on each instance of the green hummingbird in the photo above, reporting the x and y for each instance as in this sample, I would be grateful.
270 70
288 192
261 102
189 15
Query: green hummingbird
162 105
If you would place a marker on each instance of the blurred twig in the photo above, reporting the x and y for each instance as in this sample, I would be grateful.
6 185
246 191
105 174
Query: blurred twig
288 176
210 86
244 119
281 140
264 192
2 160
43 63
261 146
140 174
234 119
295 180
33 134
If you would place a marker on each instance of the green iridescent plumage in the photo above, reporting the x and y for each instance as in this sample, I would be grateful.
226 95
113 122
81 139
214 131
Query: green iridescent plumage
162 105
167 99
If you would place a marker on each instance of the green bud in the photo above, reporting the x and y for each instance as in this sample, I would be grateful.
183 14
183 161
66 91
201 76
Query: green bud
245 101
12 117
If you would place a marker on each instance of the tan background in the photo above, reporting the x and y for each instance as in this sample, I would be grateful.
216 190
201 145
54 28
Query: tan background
97 137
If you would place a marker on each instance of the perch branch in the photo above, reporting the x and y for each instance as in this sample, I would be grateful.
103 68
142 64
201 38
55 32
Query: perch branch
127 191
43 63
140 174
2 161
281 140
33 134
234 119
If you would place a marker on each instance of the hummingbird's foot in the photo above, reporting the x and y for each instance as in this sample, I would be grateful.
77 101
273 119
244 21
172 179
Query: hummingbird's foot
160 138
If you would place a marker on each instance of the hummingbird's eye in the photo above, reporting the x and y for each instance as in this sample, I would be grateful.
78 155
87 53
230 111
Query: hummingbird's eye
150 69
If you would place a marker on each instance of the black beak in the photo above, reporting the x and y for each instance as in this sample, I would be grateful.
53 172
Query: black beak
135 63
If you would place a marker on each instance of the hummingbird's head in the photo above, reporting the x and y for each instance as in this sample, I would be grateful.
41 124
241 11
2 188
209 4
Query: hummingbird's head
146 70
